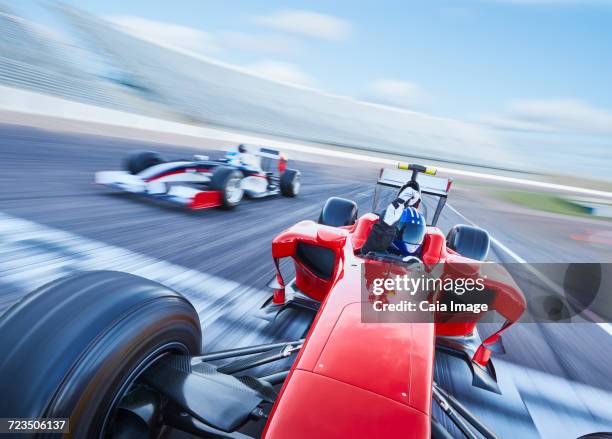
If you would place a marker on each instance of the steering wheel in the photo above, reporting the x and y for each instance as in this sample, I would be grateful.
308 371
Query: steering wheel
396 259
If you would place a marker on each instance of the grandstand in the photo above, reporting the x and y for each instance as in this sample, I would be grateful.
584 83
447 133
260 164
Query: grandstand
33 60
162 80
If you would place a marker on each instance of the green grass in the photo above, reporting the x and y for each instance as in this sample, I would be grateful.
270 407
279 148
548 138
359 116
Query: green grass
544 202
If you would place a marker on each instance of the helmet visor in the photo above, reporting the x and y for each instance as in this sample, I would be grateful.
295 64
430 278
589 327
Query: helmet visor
412 226
413 233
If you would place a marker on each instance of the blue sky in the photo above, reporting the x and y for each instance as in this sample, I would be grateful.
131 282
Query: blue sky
542 67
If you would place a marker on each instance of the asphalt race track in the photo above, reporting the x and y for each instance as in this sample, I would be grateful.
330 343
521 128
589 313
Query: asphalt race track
555 378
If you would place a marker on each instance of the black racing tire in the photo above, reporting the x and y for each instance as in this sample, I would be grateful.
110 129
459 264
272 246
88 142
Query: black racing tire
290 182
71 348
469 241
338 212
138 161
224 179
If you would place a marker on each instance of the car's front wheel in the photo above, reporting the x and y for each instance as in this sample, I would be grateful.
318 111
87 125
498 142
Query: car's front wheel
338 212
75 347
469 241
228 181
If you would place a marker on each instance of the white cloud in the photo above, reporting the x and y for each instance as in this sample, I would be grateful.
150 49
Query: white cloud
307 23
281 71
552 115
273 44
397 93
207 43
511 124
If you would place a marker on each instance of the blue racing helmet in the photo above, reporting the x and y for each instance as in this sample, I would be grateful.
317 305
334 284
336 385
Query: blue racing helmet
232 157
410 232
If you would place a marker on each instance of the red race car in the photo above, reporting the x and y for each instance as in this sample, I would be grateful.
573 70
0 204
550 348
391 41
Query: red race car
120 356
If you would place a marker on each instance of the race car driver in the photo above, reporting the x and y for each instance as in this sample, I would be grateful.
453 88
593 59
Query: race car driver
248 159
245 158
401 228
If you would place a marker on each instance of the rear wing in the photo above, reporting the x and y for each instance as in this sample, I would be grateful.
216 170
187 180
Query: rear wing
428 183
264 152
271 159
425 176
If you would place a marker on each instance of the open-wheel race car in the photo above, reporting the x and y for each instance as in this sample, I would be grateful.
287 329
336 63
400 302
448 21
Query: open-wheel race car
120 356
200 182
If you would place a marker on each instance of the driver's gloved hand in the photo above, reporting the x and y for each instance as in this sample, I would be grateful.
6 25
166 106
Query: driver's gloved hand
407 197
393 212
383 232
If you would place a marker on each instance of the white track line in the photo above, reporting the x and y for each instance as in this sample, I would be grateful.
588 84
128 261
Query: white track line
32 254
449 171
607 327
319 150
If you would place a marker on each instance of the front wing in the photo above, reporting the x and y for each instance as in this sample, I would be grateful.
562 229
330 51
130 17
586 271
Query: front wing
179 194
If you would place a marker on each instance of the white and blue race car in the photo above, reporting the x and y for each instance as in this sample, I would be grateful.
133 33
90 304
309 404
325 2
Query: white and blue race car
199 183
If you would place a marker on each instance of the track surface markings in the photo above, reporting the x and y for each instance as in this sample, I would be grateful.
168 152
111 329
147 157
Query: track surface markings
32 255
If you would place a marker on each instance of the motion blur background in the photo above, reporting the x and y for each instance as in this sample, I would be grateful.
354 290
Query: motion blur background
511 98
511 84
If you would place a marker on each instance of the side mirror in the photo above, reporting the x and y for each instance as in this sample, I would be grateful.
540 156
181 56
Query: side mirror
279 290
274 284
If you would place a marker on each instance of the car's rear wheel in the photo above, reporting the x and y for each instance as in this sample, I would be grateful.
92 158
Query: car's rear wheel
75 347
469 241
138 161
229 182
338 212
290 183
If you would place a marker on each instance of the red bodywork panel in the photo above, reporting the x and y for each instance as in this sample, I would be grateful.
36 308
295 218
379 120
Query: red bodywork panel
315 406
354 379
206 199
309 232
